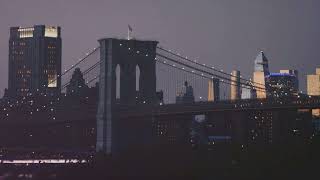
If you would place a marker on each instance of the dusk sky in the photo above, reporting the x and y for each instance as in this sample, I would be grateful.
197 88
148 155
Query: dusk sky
225 33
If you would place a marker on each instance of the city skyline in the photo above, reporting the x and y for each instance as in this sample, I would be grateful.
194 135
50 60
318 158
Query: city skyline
159 89
285 30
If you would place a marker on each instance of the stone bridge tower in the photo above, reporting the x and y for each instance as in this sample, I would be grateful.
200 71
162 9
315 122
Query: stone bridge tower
122 58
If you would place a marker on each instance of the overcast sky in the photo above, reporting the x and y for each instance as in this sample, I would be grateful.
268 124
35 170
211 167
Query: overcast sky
224 33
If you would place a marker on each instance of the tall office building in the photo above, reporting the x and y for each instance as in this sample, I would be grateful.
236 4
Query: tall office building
313 84
280 85
294 73
313 88
34 60
261 70
235 85
290 71
213 90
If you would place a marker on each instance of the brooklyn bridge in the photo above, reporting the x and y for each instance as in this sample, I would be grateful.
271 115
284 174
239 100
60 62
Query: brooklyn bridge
127 93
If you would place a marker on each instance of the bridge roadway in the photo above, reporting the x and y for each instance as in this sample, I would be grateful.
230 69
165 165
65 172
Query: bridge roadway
204 107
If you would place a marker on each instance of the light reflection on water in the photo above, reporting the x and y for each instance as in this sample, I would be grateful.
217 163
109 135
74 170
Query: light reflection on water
45 161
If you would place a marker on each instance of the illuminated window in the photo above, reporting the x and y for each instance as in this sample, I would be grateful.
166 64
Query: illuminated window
25 32
51 32
52 79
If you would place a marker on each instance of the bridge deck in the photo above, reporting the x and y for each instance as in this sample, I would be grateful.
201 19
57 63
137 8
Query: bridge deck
203 107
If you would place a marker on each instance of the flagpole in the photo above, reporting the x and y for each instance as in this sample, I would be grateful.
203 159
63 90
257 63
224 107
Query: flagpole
128 34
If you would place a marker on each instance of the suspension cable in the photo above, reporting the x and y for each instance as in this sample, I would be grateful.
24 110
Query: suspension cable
207 72
205 66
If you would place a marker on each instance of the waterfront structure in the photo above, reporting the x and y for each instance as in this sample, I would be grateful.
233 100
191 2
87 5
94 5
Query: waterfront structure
34 60
261 70
313 88
235 85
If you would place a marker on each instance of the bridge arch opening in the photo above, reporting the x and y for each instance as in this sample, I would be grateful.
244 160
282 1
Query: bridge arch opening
137 78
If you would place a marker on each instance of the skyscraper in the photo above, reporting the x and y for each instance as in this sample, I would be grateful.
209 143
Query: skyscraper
313 84
235 85
290 71
261 70
213 90
186 94
261 63
280 85
313 88
34 60
294 73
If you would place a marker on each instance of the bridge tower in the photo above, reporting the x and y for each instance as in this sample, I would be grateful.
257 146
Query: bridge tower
127 55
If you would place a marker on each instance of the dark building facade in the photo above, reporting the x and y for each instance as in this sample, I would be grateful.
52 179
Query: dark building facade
281 85
69 123
278 126
77 84
34 60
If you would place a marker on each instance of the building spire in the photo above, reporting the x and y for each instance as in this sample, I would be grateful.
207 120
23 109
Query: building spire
261 63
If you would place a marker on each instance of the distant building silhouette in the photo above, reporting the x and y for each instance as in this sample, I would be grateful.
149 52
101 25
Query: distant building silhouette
34 60
313 85
77 84
313 88
186 95
235 85
213 90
